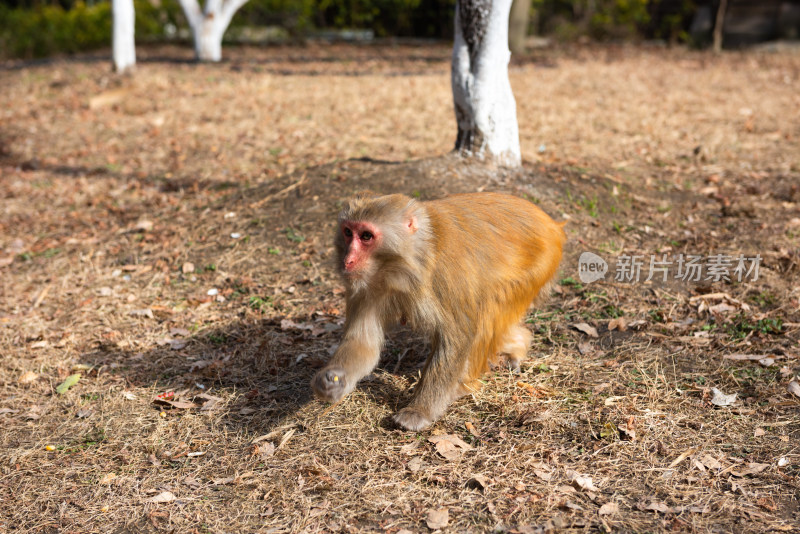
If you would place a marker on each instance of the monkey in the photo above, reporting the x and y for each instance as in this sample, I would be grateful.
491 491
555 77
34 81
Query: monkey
462 270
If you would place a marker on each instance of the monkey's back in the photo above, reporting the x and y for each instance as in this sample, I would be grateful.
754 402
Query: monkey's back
500 239
493 255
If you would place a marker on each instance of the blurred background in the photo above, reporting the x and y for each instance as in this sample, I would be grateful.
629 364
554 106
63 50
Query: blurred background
42 28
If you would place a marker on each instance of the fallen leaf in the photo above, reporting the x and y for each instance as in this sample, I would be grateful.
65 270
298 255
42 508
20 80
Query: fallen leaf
721 399
581 482
658 507
758 432
107 98
181 405
212 402
610 401
569 505
531 390
740 357
794 388
274 434
710 462
265 450
288 324
722 307
108 478
691 509
286 437
164 496
586 329
415 464
436 519
764 360
409 448
448 450
767 503
617 324
70 381
751 468
472 430
628 430
187 267
478 482
450 446
585 348
145 312
719 296
143 226
27 377
609 508
685 454
192 482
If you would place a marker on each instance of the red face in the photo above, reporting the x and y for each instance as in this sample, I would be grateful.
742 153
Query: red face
361 240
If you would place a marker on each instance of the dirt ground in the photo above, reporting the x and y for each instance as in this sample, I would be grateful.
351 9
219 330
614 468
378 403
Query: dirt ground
167 236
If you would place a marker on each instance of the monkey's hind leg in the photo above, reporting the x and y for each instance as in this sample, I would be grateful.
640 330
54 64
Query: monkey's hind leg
441 384
514 345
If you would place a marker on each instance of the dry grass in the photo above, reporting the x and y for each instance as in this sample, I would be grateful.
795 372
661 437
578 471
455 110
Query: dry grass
112 187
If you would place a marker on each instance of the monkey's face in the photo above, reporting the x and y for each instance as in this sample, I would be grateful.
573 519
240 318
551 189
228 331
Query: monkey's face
361 241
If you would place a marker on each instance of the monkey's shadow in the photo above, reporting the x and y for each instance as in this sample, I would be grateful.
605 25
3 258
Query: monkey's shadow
263 371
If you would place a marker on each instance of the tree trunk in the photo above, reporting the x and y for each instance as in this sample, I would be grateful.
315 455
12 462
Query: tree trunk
486 112
518 25
719 25
123 44
209 25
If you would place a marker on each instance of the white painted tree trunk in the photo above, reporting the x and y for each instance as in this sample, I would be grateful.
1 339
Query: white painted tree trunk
486 111
208 25
123 44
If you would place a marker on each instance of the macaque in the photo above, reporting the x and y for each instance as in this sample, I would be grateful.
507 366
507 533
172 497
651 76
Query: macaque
463 269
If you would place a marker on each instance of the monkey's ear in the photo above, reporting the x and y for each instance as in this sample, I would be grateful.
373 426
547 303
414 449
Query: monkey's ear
365 194
412 224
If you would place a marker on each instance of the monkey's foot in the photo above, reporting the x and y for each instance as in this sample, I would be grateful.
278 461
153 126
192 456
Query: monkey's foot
330 384
412 419
513 364
505 361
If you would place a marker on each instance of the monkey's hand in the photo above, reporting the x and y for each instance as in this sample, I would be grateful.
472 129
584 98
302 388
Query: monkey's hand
330 384
412 419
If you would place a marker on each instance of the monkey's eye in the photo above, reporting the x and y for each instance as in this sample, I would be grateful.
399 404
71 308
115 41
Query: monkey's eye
348 232
366 236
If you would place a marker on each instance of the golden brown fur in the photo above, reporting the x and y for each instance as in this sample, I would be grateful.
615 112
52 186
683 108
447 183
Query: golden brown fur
464 269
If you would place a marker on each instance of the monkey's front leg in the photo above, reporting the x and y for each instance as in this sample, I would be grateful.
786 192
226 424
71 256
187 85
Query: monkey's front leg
356 357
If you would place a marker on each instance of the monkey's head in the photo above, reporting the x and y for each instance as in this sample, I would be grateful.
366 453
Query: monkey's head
375 233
